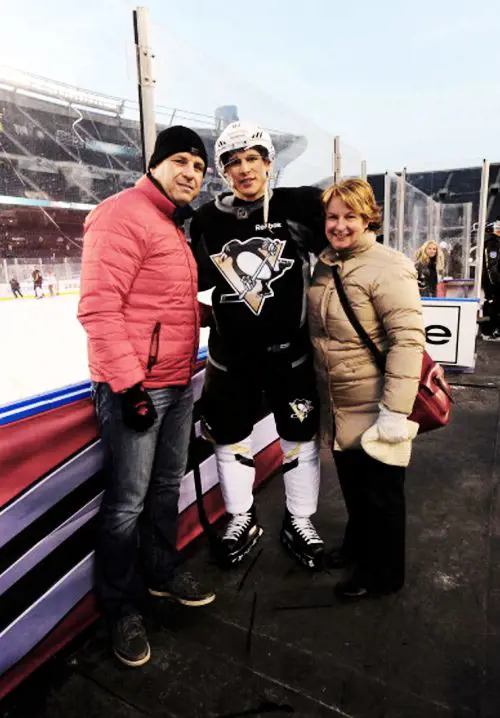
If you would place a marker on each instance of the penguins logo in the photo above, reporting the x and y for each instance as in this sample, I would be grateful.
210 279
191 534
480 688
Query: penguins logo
251 267
301 408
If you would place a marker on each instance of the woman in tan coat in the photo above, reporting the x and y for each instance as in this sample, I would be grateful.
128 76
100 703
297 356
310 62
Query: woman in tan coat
381 287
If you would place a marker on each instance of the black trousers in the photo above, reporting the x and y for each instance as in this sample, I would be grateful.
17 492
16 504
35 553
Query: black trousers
376 528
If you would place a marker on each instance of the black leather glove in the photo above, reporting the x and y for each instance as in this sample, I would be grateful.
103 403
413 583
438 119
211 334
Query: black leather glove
138 411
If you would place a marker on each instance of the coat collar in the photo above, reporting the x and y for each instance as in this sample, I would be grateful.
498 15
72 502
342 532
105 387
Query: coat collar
153 191
331 256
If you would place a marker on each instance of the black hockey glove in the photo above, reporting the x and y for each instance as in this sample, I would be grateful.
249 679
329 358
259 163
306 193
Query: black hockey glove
138 411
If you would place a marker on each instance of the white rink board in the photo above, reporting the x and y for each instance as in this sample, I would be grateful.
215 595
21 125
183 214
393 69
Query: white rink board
43 346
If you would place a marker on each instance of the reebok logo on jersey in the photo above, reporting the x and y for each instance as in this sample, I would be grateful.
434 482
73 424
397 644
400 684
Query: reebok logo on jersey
273 225
251 267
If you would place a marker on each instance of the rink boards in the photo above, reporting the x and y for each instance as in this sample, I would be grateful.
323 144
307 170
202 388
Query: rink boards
50 490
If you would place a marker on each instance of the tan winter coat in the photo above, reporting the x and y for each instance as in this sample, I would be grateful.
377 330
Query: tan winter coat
381 285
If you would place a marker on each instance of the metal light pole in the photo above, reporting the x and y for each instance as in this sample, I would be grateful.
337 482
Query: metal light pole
400 211
481 227
387 209
146 82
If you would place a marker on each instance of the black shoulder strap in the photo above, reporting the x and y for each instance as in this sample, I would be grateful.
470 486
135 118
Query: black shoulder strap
362 333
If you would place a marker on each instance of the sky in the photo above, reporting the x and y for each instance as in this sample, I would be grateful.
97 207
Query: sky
404 84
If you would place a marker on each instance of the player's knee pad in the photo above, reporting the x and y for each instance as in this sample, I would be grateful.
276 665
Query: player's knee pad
236 470
301 474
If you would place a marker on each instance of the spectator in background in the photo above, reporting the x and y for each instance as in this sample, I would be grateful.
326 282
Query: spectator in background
37 283
429 263
139 307
50 279
16 288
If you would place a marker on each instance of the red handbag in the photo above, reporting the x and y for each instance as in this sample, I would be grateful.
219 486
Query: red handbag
432 406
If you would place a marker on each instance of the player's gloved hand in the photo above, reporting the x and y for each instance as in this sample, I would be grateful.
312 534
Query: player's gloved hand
392 426
138 411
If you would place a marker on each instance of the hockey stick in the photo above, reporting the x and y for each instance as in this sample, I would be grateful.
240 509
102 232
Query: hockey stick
200 505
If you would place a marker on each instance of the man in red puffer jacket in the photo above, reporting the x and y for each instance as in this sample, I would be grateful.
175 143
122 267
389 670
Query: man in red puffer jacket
139 308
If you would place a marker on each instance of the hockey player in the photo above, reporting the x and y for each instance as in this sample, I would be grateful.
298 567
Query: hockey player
252 246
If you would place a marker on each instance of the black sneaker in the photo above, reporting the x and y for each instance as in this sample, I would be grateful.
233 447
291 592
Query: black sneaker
130 642
300 537
186 589
240 536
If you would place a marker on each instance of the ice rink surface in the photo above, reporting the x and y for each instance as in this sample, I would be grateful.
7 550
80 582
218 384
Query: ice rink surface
43 346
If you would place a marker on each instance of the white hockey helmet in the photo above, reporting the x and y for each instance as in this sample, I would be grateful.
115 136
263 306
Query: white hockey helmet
242 136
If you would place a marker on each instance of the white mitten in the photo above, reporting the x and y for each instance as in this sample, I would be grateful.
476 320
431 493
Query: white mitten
392 426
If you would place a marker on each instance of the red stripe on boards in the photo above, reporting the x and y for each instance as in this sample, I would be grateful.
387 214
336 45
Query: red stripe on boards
31 447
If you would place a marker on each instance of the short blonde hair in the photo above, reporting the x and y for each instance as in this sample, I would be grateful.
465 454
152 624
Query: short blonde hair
358 195
423 258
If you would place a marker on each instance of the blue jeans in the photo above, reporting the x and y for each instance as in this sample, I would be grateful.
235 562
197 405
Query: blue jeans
137 532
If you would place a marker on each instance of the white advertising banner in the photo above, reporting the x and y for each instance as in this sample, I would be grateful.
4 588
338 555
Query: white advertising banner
450 330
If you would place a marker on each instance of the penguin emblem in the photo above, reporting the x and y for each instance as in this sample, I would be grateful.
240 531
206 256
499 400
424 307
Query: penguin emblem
251 267
301 408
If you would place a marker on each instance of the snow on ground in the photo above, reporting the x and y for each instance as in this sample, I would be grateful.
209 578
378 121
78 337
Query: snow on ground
44 347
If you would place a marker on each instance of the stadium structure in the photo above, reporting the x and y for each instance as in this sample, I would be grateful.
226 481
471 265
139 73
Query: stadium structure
64 149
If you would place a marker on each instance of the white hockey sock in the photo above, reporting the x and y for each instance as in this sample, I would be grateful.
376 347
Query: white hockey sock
301 474
236 474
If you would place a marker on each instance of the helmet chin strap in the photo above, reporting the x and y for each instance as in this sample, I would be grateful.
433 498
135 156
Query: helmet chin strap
266 202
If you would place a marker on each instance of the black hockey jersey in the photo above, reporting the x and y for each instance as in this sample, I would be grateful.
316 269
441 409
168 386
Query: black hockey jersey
260 273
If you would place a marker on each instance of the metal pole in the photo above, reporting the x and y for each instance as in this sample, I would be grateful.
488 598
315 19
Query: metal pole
337 160
430 218
467 236
363 170
387 209
481 227
146 82
400 211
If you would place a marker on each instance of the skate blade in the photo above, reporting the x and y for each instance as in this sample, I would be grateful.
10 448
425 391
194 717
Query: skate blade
310 562
235 560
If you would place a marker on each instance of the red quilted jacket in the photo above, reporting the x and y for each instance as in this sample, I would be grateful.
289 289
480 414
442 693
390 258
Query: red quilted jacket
138 292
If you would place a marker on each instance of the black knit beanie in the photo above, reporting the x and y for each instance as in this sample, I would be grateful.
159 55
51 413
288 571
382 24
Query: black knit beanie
177 139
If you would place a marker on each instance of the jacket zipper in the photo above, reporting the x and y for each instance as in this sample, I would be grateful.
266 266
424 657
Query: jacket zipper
154 347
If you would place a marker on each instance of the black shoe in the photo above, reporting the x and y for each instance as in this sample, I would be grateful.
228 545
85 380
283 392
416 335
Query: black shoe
355 590
300 537
338 559
240 536
186 589
130 642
